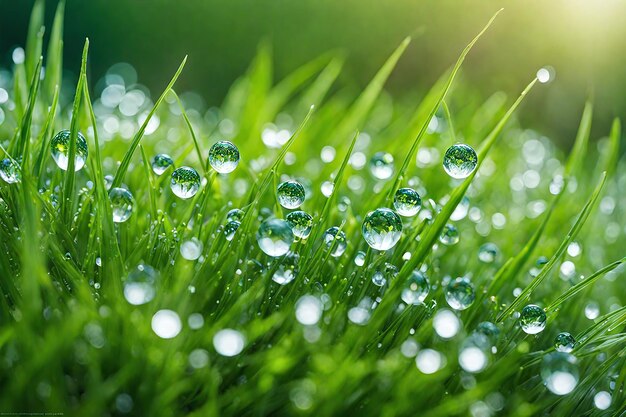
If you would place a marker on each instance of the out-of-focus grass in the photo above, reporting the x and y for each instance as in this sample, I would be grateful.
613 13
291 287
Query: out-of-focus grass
71 343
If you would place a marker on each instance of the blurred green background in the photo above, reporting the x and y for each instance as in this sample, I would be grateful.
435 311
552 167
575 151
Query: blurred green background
583 40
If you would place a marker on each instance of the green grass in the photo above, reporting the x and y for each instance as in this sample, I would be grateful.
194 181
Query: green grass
70 342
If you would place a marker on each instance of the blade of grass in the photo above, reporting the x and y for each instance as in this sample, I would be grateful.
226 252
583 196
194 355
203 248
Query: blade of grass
121 170
24 138
446 87
572 291
580 221
34 39
70 174
54 55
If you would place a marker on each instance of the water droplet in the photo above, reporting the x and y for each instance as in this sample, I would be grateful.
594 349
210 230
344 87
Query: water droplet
559 372
166 324
446 324
429 361
108 181
274 237
407 202
185 182
488 253
489 330
459 161
385 274
382 229
191 249
228 342
416 288
287 269
602 400
60 148
122 203
235 214
381 165
161 163
290 194
224 157
308 310
460 293
592 310
335 239
139 286
359 259
10 171
449 235
230 229
301 223
532 319
564 342
472 359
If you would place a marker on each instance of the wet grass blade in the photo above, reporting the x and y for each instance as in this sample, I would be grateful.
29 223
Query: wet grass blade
70 174
424 125
121 170
586 283
24 138
571 235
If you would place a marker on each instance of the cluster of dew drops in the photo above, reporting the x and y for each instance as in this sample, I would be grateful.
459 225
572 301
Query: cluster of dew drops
381 229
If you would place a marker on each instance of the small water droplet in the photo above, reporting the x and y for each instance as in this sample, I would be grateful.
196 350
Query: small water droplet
60 148
224 157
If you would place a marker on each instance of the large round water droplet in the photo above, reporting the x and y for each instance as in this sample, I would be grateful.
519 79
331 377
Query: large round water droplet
274 237
122 203
416 288
224 157
488 253
235 214
161 163
230 229
10 171
460 293
381 165
459 161
60 148
301 223
564 342
139 286
489 330
185 182
287 269
407 202
449 235
228 342
382 229
335 240
290 194
532 319
359 259
385 274
191 249
559 372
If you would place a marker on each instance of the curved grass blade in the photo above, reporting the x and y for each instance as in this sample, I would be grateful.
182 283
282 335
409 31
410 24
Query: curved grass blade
24 138
193 134
572 291
575 160
580 221
121 170
609 161
424 125
70 174
54 55
34 39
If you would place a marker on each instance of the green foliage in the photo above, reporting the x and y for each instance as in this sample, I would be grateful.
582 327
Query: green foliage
73 341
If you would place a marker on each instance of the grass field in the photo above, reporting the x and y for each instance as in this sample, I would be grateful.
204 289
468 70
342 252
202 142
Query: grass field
177 310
